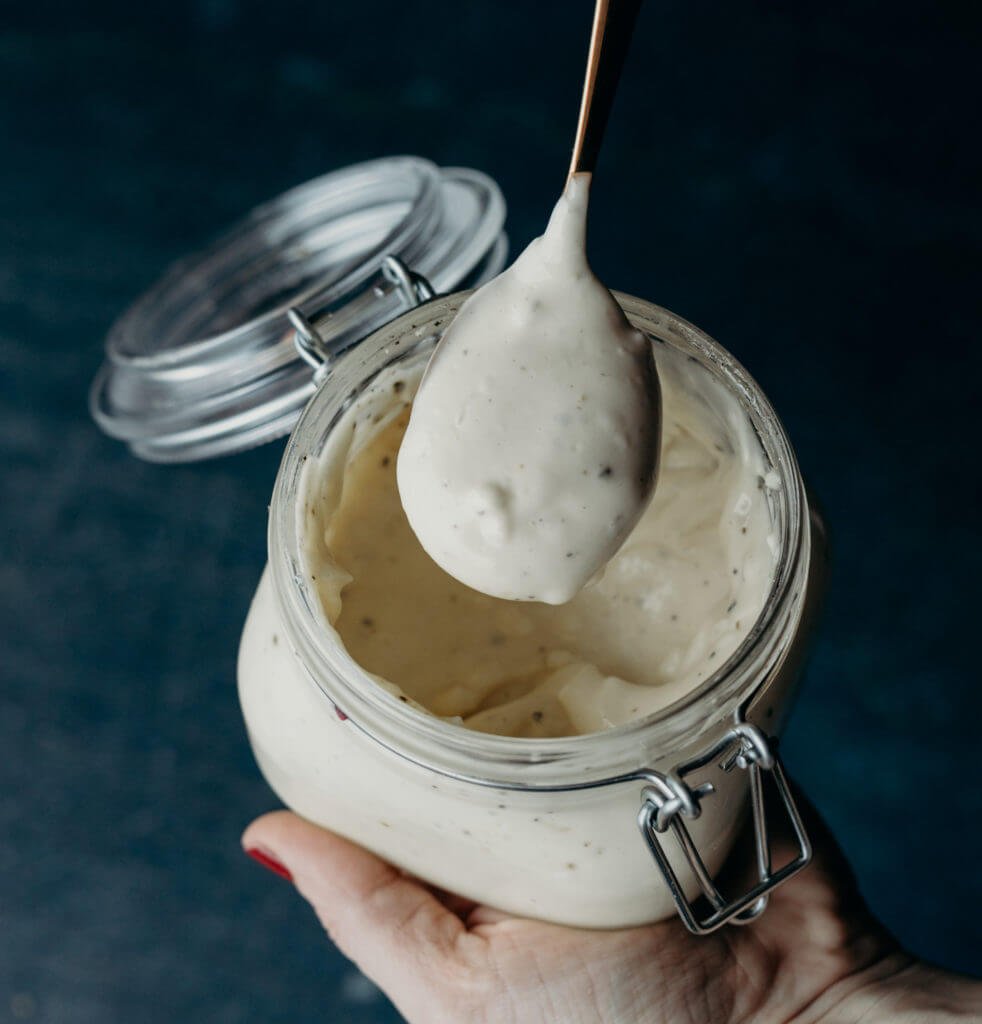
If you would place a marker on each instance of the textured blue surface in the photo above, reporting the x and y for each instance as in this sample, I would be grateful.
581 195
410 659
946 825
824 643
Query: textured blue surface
801 182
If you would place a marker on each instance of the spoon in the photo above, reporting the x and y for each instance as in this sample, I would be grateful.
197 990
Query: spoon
532 446
613 26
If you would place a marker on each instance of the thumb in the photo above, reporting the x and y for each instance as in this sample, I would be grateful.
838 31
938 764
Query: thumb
393 928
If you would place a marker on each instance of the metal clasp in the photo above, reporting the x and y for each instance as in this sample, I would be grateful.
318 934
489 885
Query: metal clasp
668 799
413 288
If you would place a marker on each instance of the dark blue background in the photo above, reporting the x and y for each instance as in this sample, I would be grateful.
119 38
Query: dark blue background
799 179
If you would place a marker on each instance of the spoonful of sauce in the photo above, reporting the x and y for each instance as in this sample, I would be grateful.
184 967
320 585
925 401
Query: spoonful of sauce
532 446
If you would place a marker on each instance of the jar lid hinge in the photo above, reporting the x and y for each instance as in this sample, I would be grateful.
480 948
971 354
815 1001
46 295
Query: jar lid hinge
668 799
412 287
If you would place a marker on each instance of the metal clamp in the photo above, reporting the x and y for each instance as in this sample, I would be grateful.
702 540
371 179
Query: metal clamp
413 288
309 343
668 799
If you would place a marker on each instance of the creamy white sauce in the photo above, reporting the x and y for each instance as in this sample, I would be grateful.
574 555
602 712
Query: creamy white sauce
532 447
673 603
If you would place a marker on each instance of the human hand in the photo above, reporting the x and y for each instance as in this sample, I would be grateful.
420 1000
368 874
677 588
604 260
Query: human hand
816 954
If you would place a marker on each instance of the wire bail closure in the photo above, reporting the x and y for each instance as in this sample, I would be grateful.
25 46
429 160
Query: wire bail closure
668 799
413 288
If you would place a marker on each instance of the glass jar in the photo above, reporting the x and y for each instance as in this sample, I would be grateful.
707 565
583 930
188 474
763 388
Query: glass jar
216 357
547 828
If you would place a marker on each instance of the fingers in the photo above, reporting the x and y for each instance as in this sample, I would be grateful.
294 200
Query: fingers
393 928
460 906
481 916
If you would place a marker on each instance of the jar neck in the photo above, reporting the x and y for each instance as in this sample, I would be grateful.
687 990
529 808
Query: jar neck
504 761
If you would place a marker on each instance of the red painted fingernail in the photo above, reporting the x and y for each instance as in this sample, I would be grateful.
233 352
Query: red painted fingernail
270 862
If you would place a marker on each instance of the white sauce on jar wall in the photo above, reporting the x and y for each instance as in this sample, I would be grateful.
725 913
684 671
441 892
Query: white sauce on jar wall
532 448
672 605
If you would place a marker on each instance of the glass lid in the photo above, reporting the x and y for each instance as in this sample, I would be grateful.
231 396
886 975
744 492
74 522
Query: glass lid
204 362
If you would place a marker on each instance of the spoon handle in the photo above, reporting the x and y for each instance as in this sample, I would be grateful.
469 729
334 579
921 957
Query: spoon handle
613 24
